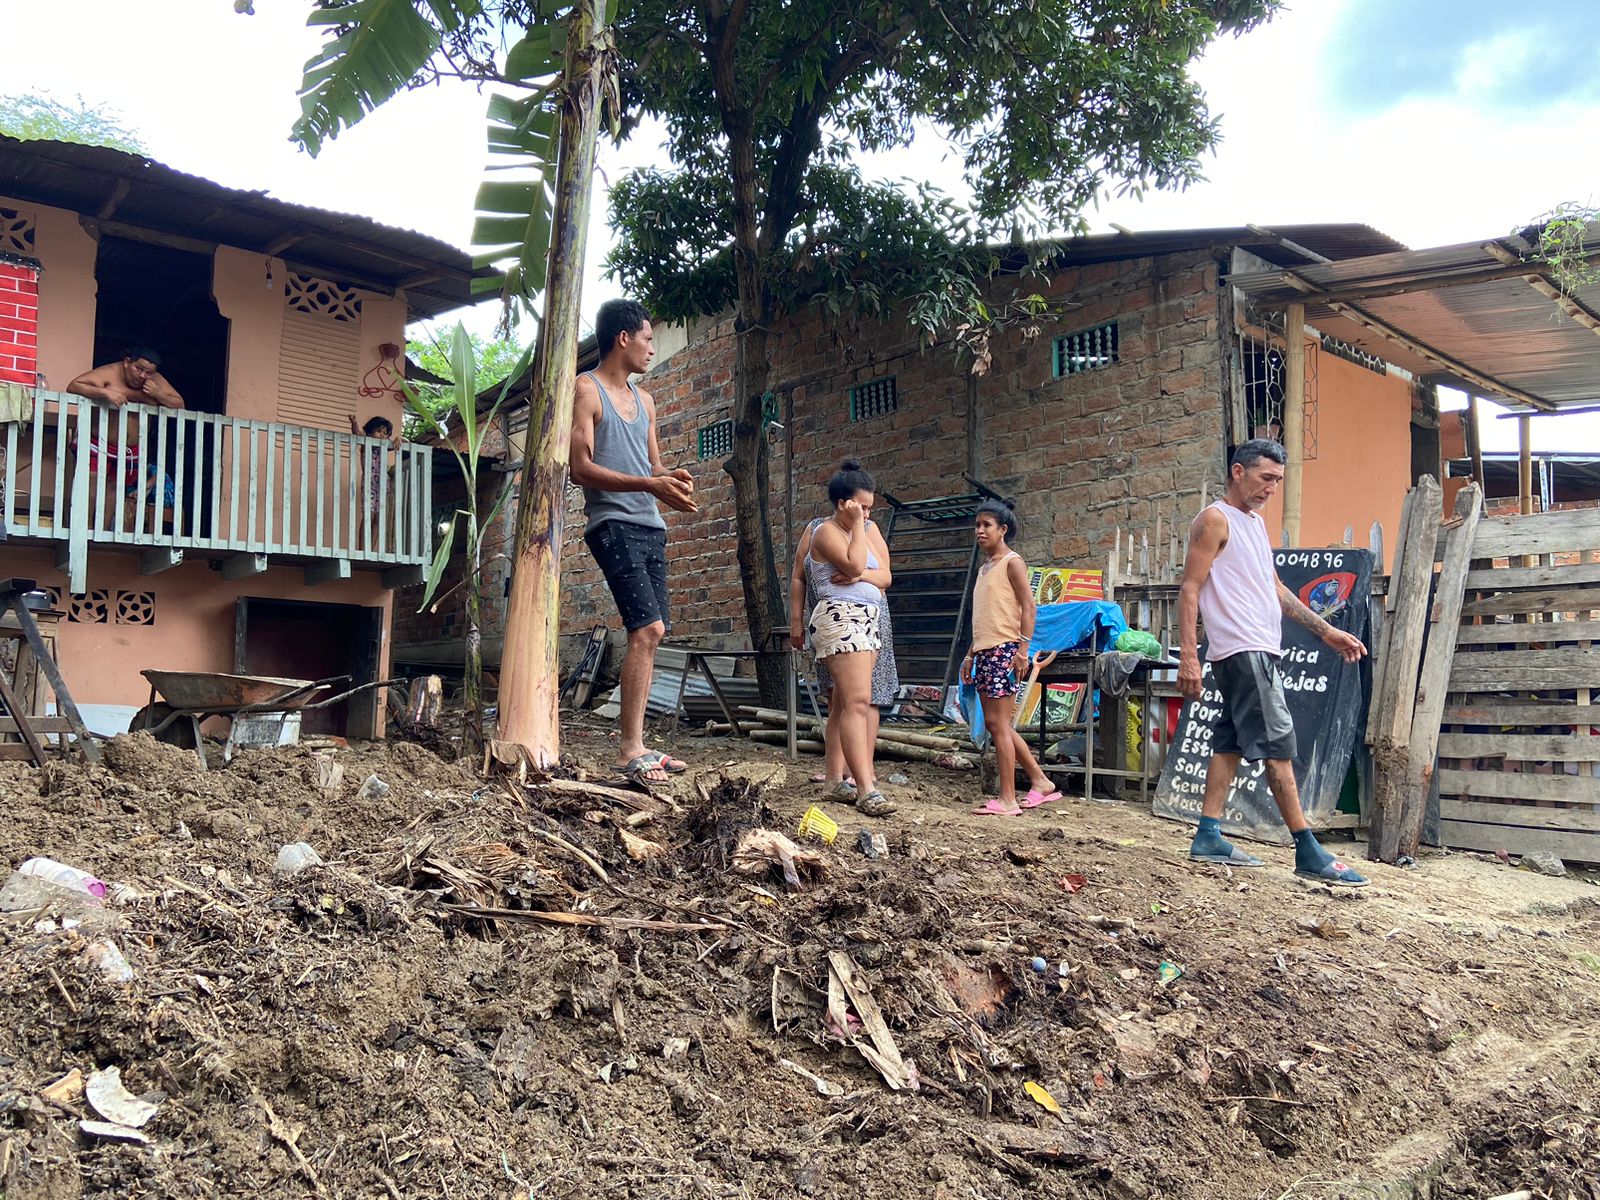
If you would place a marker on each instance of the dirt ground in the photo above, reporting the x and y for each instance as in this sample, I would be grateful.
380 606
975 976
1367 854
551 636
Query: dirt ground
346 1033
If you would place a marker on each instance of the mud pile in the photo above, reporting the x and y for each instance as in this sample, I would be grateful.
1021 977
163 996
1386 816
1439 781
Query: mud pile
563 990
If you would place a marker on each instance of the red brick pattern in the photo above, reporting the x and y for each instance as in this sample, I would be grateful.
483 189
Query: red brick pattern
1083 454
19 324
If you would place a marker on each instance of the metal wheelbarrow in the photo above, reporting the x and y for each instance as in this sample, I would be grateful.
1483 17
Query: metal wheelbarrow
265 710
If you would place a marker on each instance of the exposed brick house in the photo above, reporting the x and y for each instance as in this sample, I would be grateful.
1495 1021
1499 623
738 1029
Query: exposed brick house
1123 410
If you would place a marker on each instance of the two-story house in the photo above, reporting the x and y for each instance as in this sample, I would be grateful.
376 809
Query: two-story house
250 530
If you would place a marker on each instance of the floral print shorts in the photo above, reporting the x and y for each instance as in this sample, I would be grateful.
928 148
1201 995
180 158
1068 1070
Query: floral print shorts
992 673
841 627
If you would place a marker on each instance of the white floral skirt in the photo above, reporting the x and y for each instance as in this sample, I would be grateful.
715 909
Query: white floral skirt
842 627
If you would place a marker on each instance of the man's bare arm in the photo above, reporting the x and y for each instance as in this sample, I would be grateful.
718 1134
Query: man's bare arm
158 391
1300 614
1207 536
1348 645
95 385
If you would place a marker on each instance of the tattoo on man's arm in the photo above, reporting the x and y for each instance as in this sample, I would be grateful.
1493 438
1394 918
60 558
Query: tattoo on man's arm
1301 615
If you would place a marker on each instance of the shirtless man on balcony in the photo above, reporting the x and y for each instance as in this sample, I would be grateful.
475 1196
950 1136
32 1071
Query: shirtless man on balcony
136 378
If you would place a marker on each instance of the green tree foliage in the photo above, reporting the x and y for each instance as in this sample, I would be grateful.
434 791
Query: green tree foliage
40 118
1047 102
494 360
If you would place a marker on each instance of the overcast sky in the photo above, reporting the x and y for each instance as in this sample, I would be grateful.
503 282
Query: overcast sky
1436 121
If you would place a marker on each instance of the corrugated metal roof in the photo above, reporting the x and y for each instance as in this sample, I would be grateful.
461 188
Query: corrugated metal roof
1334 241
1473 320
128 189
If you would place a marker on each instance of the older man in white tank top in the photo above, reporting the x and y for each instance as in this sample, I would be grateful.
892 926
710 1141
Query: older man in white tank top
1230 580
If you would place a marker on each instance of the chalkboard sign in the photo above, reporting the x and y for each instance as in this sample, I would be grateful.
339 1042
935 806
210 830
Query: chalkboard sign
1327 699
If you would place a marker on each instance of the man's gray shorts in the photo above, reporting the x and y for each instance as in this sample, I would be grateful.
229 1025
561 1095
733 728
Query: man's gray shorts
1255 721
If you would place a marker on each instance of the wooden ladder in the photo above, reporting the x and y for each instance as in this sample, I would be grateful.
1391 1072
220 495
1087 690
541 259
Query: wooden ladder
29 725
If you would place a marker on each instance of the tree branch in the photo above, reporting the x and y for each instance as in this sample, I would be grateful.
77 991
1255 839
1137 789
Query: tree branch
799 139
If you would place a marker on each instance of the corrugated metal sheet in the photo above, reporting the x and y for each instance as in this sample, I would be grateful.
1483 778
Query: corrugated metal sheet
1464 303
137 191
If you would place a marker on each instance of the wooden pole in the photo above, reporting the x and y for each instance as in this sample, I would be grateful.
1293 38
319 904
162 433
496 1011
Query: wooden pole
1294 418
529 677
1474 440
1525 464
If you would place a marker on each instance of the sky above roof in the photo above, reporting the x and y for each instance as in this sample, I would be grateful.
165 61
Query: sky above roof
1436 121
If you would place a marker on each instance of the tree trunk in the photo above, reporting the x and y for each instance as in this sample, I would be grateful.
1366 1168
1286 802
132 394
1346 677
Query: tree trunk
529 667
748 467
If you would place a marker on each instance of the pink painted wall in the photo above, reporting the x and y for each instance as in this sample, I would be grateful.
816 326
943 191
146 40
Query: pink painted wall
194 618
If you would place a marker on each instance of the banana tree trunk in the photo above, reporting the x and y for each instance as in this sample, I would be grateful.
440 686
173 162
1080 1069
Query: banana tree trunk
529 727
472 672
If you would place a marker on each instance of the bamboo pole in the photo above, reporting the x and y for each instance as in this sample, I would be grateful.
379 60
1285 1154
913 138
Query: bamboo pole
768 716
1294 418
529 681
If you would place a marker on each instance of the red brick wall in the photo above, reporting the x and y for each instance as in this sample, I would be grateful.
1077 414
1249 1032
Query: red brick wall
1083 454
19 323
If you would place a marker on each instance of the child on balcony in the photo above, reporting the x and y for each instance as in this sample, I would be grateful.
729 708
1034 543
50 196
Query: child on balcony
376 427
1002 627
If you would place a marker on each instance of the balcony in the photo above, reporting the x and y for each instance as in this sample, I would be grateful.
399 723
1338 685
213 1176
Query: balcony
82 475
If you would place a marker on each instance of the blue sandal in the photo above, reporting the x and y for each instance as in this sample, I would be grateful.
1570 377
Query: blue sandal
1335 874
1234 858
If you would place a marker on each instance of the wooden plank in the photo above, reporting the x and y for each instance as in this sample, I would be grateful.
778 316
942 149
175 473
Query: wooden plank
322 485
1502 579
1573 599
36 467
233 492
1382 686
145 495
1519 659
119 481
1446 617
81 516
48 667
159 525
9 497
1512 785
64 410
180 440
1542 631
1560 532
1472 835
1479 680
1525 816
1527 748
98 419
1391 748
271 506
1522 714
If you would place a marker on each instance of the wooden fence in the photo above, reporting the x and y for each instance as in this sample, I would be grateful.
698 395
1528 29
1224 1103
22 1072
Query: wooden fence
1519 740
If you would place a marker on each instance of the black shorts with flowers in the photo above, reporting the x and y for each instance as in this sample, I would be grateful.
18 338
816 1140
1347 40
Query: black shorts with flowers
992 672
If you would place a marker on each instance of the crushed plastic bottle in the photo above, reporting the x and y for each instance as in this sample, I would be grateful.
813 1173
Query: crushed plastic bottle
69 877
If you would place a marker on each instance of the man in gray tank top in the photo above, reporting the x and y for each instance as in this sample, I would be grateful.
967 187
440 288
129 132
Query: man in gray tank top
616 460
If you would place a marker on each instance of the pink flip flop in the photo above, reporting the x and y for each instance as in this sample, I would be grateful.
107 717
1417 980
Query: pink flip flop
1035 797
994 807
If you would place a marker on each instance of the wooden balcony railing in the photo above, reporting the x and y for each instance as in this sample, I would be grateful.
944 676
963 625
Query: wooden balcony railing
162 481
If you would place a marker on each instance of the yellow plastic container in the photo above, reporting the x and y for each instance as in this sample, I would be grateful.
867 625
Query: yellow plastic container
815 823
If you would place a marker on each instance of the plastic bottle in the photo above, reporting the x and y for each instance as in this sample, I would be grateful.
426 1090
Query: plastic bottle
59 873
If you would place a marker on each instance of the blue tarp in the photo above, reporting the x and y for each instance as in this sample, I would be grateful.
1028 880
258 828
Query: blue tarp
1061 628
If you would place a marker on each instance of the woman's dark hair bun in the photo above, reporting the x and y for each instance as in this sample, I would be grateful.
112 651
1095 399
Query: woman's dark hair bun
849 464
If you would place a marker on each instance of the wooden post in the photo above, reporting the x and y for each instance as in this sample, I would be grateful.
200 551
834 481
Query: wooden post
1525 464
1474 440
1294 419
1436 667
530 683
1391 747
